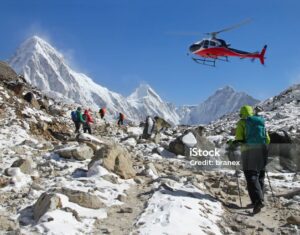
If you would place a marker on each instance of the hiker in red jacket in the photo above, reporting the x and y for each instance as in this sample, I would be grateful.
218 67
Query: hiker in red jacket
88 120
121 119
102 112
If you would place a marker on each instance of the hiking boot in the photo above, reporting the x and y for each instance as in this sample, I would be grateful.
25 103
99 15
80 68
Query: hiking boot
250 205
257 207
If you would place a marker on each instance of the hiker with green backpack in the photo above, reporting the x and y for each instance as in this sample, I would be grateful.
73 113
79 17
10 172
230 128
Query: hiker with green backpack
77 119
252 135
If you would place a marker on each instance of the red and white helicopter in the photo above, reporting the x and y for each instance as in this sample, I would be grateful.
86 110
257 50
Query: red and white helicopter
213 48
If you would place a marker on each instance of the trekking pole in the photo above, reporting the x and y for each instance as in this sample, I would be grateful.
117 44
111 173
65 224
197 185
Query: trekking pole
273 196
238 185
232 156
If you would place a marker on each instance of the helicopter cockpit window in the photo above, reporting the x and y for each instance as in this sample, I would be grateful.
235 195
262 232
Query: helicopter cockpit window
212 44
205 44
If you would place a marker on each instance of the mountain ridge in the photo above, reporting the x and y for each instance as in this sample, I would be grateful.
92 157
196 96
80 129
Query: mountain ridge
46 68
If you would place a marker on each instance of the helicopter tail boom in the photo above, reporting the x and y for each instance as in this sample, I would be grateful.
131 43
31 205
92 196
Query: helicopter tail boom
262 55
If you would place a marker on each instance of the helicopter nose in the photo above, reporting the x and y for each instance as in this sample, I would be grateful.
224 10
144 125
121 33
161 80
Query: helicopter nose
194 47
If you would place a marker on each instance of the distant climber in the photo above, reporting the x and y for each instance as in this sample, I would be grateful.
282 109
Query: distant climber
88 120
121 119
102 112
77 119
149 128
252 134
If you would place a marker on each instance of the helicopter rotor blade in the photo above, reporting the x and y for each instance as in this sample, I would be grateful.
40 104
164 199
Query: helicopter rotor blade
187 33
213 34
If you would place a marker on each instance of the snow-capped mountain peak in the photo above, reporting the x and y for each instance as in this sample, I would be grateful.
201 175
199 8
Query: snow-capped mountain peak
144 91
44 67
225 100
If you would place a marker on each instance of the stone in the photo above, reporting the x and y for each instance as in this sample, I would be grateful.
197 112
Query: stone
115 159
111 178
25 165
46 202
16 87
126 210
83 199
7 223
80 152
44 104
30 98
42 126
3 182
54 110
121 198
293 219
138 180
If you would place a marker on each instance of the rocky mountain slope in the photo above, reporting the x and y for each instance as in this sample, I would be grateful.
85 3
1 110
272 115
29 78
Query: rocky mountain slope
114 182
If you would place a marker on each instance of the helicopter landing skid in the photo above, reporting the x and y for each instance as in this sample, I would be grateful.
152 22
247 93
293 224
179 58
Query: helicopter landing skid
210 61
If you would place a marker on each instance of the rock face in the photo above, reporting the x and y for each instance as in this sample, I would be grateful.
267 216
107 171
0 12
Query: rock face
83 198
115 159
6 72
46 202
80 152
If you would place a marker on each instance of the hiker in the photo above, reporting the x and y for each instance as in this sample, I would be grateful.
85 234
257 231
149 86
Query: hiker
252 134
149 128
88 120
121 119
77 119
102 112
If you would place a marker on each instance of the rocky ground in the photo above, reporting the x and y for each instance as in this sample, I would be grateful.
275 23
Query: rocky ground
114 182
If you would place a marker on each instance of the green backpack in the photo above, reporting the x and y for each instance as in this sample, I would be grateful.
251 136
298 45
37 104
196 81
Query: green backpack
255 130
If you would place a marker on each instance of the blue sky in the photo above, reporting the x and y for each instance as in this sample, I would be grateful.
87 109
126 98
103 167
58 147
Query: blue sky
122 43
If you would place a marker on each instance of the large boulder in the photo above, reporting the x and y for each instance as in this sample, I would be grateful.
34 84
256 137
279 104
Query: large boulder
161 123
116 159
25 165
79 152
46 202
281 146
293 219
83 198
189 139
90 140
